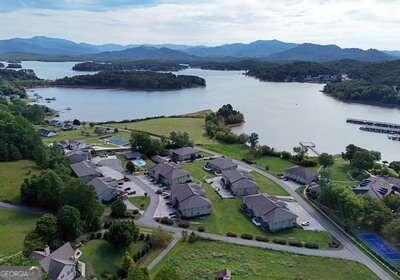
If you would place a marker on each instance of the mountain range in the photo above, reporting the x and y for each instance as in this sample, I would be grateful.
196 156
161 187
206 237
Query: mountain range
273 50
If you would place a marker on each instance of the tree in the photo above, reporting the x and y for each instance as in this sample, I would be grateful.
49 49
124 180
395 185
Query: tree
350 151
122 234
179 140
76 122
138 273
326 160
127 263
253 140
375 214
160 238
393 202
391 231
168 273
118 209
395 165
143 143
130 167
69 222
362 160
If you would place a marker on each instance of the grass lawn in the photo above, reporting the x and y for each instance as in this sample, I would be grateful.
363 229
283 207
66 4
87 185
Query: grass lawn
202 259
276 165
12 174
338 173
266 185
13 228
226 215
163 126
141 202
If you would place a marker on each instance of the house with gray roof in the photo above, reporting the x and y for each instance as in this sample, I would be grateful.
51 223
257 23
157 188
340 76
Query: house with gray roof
106 188
189 200
78 156
185 153
85 170
272 216
169 174
378 187
220 164
238 183
132 155
301 175
62 264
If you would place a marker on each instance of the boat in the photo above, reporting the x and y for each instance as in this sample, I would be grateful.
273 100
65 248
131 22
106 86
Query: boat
50 98
394 138
68 109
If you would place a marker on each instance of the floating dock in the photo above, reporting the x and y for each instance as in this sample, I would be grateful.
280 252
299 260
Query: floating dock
384 130
373 123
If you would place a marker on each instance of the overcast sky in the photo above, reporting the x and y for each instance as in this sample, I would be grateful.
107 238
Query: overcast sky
347 23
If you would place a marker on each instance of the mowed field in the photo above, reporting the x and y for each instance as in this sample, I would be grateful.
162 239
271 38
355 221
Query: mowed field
12 174
164 126
202 259
13 228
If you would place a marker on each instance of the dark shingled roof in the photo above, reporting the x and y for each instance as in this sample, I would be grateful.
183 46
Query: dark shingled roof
189 196
84 168
133 155
185 151
55 262
223 163
105 188
307 174
169 171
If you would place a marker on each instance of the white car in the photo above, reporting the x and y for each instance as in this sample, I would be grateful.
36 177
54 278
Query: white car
305 224
254 221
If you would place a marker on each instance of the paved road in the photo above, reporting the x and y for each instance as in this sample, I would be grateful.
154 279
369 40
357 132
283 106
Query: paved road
350 250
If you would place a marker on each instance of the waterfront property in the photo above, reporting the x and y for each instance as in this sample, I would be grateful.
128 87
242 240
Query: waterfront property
220 164
185 153
168 174
378 187
62 264
106 188
271 215
85 170
238 183
189 200
301 175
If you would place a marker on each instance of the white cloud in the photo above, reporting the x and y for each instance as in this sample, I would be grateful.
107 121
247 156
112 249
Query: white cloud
357 23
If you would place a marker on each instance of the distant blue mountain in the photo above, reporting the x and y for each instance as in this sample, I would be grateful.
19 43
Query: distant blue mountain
393 53
261 48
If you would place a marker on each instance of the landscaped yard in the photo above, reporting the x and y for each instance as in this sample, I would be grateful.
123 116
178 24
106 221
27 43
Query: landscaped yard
141 202
226 215
338 173
13 228
202 259
12 174
275 165
267 186
164 126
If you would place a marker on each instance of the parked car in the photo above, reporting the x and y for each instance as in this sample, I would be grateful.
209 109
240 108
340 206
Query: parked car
305 224
254 221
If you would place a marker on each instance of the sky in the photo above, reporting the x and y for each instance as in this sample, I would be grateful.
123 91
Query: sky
347 23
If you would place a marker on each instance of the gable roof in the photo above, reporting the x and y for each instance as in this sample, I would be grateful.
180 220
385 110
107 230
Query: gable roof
185 151
133 155
233 175
243 183
377 187
189 196
169 171
84 168
223 163
105 188
302 172
55 262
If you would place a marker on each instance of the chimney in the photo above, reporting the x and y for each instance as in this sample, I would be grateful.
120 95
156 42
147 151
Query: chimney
46 250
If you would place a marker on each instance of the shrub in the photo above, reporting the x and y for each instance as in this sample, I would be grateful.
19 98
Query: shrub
107 225
183 224
166 221
231 234
141 236
135 211
201 229
311 245
99 235
296 243
267 167
279 241
262 238
92 236
246 236
192 237
159 192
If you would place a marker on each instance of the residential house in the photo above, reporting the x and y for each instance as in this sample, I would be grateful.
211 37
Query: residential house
185 153
301 175
102 130
47 133
224 274
220 164
85 170
62 264
71 145
105 187
313 190
132 155
78 156
238 183
272 216
189 200
378 187
169 174
158 159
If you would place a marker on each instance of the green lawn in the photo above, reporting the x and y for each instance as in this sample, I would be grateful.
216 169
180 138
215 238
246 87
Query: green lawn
276 165
163 126
266 185
12 174
338 173
141 202
226 215
202 259
100 257
13 228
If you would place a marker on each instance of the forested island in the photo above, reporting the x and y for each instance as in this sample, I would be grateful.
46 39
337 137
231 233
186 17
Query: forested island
151 65
134 80
12 82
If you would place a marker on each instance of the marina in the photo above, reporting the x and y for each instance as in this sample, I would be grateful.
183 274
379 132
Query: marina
373 123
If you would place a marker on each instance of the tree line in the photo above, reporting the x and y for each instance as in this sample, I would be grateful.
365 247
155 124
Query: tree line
150 65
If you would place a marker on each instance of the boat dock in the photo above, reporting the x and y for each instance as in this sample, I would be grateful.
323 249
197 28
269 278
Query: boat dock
373 123
384 130
309 146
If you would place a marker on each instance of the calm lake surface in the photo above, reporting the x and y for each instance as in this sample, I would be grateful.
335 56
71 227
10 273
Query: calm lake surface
283 114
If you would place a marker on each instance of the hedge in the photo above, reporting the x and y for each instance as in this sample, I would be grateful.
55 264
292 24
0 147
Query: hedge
262 238
311 245
246 236
231 234
296 243
279 241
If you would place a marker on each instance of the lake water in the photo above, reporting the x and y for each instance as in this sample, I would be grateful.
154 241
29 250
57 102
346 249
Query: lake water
283 114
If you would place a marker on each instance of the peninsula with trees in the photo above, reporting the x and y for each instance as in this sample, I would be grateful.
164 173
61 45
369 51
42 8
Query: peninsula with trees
150 65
